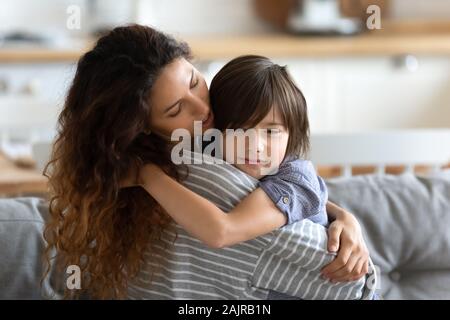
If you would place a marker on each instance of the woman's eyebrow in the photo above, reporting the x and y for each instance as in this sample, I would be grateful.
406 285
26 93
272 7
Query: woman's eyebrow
192 76
178 101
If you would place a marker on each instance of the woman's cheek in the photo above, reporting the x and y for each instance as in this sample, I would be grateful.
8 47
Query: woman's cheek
167 127
179 122
205 91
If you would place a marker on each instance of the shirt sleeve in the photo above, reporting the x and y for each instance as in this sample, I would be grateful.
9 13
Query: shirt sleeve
292 261
296 190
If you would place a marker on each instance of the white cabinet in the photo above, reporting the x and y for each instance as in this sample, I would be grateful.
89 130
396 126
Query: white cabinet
369 93
362 94
343 94
31 97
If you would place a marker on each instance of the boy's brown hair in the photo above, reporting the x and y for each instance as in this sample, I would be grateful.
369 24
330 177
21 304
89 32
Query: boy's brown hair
246 89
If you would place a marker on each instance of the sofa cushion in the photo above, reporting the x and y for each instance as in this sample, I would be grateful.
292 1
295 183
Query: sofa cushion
21 247
406 221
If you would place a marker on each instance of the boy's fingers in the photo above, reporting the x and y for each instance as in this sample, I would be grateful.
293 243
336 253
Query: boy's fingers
340 261
359 269
334 234
346 272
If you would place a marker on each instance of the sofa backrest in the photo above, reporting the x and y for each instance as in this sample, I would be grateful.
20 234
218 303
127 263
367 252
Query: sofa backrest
406 221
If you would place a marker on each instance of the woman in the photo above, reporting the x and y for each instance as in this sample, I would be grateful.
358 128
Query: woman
129 93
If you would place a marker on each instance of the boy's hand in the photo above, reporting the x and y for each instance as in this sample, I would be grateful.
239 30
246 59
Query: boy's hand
352 261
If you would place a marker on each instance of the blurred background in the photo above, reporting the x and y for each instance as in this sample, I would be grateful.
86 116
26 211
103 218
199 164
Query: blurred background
363 65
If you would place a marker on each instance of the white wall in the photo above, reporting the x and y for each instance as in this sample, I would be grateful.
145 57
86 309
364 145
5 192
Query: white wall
343 94
236 16
420 9
360 94
184 17
50 16
201 16
46 15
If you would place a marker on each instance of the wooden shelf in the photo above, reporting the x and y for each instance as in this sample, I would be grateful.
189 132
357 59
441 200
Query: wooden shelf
427 38
291 46
17 181
38 55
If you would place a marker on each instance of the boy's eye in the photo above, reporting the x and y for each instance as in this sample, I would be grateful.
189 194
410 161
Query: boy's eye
273 131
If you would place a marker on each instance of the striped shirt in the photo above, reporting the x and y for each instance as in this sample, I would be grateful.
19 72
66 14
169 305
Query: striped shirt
287 260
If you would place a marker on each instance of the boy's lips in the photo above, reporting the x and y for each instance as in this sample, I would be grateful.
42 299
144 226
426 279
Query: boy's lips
254 162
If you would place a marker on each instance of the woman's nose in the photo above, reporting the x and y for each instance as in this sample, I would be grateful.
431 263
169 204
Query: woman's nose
199 107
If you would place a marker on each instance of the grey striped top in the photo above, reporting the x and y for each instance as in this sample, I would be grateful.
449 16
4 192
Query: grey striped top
287 260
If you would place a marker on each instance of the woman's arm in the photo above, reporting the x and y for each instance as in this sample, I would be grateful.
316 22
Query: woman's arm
346 238
253 216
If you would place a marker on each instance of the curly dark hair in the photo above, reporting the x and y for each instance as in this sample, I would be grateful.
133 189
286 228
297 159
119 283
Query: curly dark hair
101 134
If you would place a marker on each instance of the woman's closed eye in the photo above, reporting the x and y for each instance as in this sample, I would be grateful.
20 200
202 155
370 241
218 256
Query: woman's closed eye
194 83
175 111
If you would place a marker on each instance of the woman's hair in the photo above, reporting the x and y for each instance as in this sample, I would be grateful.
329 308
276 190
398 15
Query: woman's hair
244 91
93 222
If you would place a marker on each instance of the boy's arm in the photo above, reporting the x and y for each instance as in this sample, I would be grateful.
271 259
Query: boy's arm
255 215
345 234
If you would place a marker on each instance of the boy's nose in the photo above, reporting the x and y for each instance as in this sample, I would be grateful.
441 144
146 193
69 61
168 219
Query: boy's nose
260 142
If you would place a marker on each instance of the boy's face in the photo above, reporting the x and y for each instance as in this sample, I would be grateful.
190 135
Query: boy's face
263 149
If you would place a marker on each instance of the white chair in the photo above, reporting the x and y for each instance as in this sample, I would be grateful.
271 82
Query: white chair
396 147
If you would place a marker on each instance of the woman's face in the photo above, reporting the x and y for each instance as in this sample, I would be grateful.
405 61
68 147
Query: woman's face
179 97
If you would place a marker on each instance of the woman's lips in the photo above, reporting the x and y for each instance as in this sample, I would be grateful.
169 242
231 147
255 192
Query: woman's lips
208 122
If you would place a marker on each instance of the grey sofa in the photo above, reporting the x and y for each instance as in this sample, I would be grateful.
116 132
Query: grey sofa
406 220
21 246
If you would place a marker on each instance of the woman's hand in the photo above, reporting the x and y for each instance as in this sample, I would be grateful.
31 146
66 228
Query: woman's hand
345 237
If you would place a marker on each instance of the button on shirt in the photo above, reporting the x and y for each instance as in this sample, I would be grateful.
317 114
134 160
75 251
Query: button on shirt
298 191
